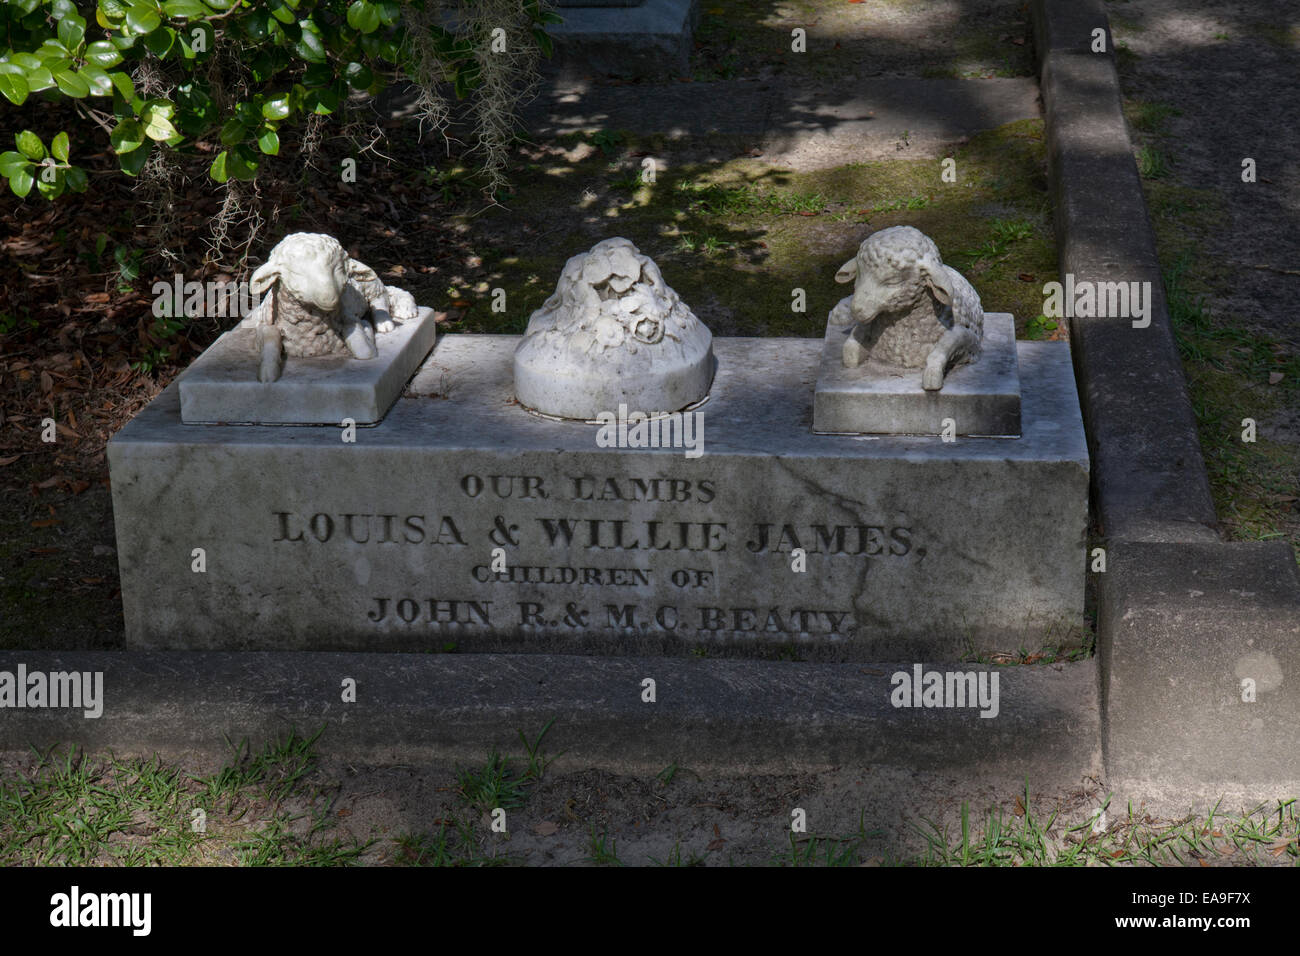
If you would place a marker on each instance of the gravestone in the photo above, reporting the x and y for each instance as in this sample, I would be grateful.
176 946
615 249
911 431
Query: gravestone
644 38
462 520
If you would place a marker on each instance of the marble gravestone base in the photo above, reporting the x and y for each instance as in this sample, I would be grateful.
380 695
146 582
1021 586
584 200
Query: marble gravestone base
915 548
648 37
982 398
221 387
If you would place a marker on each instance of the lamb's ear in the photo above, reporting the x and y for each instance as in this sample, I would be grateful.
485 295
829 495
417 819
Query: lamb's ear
936 277
361 272
265 277
848 272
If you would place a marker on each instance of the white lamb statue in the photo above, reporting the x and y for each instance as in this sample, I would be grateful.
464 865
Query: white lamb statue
320 302
908 309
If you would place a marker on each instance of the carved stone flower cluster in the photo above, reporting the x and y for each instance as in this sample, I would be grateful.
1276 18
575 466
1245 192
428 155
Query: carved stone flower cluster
613 297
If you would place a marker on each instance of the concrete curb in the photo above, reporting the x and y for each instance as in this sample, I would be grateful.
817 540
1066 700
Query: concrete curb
1148 472
726 715
1183 617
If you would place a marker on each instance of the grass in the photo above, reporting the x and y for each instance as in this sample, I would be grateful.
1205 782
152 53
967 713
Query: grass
734 237
1151 163
602 849
455 844
1150 117
1232 372
265 807
501 783
675 858
818 850
1228 368
746 199
1263 835
71 809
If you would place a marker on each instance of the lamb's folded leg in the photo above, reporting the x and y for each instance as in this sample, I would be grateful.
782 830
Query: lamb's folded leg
360 338
854 352
957 344
271 353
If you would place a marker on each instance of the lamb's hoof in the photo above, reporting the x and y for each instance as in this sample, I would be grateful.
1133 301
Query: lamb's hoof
842 314
854 354
384 322
932 378
401 305
361 342
269 370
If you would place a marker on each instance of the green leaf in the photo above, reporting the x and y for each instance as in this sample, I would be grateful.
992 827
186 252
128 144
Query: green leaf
242 163
21 183
71 84
310 46
14 87
30 145
59 146
269 142
389 12
122 83
12 162
71 31
185 9
318 74
52 60
39 79
27 61
256 24
51 189
134 161
126 136
103 54
141 19
282 12
363 16
324 102
233 132
156 117
76 179
358 75
276 108
160 42
543 42
218 168
109 13
100 84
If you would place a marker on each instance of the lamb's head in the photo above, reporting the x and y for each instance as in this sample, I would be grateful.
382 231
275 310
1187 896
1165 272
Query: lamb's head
893 272
310 267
